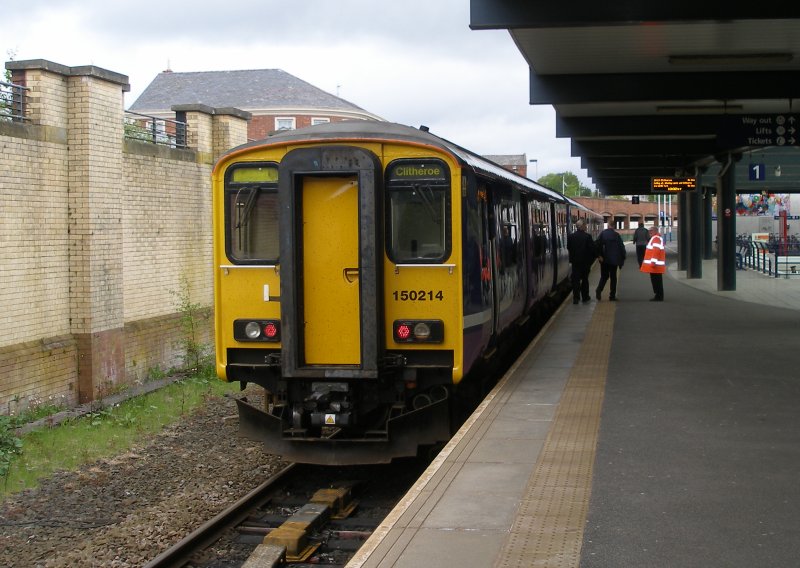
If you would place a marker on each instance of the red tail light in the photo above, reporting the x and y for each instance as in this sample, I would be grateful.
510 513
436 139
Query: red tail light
402 331
257 330
418 331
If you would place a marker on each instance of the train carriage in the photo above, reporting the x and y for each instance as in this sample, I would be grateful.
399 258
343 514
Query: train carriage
363 272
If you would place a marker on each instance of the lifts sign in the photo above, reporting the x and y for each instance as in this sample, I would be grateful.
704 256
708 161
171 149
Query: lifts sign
759 130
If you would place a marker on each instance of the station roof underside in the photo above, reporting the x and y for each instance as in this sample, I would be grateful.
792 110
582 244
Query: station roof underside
647 89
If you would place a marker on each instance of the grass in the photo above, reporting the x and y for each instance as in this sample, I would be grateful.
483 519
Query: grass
107 432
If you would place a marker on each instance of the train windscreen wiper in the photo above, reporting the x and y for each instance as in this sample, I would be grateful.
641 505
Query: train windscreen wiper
429 201
244 216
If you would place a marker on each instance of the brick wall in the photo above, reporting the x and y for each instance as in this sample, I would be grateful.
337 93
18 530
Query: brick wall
102 239
261 125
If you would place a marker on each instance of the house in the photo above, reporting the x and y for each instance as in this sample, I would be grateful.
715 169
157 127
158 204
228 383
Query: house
276 99
517 163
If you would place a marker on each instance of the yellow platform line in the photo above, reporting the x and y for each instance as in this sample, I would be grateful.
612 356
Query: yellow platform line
548 530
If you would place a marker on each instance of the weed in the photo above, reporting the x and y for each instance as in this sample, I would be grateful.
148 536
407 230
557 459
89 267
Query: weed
155 374
190 315
10 446
36 409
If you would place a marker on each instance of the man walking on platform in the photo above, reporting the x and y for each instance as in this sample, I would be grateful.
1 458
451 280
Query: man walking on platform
641 236
611 251
655 263
580 246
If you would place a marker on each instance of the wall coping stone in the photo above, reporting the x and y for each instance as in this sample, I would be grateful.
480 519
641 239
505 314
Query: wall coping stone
79 71
205 109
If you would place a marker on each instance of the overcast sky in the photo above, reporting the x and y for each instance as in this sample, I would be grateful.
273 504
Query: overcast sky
409 61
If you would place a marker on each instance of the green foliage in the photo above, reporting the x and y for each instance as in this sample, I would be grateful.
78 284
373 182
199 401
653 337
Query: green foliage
195 354
10 54
103 433
566 183
36 409
135 131
155 374
6 95
10 446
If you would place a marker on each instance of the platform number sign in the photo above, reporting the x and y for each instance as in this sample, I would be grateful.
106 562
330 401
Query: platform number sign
757 172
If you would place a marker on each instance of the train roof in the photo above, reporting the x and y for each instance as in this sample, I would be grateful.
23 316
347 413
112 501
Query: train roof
365 129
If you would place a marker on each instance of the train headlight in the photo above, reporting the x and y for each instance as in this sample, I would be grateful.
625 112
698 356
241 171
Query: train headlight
418 331
257 330
252 330
422 331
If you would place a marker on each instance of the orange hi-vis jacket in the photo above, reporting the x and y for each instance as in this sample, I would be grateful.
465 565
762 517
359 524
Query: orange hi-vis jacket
655 257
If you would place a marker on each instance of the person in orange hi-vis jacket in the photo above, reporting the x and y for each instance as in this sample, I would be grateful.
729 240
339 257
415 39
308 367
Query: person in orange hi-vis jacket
655 263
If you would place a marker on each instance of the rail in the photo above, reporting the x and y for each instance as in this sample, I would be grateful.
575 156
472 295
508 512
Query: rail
155 130
787 265
754 255
12 102
179 554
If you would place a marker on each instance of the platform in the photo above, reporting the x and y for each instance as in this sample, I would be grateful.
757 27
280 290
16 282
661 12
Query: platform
630 433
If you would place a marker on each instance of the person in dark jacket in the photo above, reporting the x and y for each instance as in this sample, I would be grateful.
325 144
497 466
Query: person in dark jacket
611 252
580 246
641 237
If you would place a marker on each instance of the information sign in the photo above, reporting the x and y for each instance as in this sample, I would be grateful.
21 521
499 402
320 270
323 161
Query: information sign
757 172
672 185
758 130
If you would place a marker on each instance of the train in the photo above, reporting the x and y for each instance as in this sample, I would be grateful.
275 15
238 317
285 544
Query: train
365 276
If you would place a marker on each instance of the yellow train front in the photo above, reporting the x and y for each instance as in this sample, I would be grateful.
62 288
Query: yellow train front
341 285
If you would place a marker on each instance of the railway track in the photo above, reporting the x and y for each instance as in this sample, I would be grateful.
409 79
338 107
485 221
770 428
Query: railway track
301 516
182 553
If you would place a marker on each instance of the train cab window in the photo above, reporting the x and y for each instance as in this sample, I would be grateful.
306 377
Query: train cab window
251 212
418 211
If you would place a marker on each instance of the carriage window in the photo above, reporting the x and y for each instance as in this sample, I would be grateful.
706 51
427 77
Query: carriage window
251 210
418 211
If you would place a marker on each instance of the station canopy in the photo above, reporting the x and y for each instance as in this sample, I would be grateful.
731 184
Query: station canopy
664 89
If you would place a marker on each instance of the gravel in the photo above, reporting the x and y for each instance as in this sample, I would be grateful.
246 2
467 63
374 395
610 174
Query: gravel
124 511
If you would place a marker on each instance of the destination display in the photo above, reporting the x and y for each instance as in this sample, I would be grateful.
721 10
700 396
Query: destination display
431 170
758 130
672 185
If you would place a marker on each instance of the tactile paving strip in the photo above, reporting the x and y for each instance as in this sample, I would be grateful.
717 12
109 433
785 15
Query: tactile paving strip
548 530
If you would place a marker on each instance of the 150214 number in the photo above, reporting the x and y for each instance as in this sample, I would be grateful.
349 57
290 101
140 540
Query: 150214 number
418 295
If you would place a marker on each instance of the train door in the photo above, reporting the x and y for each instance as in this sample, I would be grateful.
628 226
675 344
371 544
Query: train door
486 257
330 267
561 219
331 248
509 261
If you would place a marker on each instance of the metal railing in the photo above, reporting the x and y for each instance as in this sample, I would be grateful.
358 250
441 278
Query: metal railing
12 102
161 131
776 257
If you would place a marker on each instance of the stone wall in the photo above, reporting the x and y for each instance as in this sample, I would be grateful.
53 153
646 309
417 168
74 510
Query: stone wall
104 240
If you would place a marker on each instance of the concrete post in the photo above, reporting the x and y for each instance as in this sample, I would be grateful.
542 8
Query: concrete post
726 224
694 218
708 214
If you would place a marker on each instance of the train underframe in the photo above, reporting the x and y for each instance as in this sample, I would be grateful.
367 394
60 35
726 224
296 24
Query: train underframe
346 421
